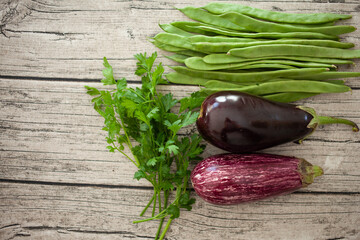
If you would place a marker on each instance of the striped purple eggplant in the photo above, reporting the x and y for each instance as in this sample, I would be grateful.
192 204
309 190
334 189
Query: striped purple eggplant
234 178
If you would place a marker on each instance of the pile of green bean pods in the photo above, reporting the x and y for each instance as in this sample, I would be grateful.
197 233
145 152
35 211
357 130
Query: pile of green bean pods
280 56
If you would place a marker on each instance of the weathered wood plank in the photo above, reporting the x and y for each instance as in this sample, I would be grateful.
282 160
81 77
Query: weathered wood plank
31 211
49 132
68 40
50 137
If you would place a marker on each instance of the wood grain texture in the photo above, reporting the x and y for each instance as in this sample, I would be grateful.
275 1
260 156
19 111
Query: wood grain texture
68 40
58 181
51 133
31 211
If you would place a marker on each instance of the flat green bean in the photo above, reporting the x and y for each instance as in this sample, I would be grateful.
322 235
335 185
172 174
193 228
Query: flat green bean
309 25
175 30
246 76
288 97
207 29
330 75
178 78
263 66
229 85
223 47
191 53
182 51
225 58
272 35
198 63
281 17
178 58
339 82
219 39
286 86
166 47
174 40
255 25
192 27
294 50
205 17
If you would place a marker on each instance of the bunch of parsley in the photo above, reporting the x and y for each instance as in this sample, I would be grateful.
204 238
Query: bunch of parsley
141 120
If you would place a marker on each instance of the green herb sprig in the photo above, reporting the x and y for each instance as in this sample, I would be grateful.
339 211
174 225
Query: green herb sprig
141 120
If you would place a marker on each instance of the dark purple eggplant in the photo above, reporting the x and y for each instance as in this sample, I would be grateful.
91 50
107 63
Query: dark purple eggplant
237 178
239 123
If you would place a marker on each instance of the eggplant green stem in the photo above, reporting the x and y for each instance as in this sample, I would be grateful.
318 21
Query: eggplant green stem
318 120
333 120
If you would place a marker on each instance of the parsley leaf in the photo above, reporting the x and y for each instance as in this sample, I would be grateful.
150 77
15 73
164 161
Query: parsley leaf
143 122
108 73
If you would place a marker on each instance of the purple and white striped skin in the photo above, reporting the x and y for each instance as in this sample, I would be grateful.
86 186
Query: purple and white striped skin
233 178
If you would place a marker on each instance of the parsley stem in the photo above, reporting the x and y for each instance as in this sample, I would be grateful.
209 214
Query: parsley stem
154 205
166 198
159 229
136 164
133 91
143 114
160 215
166 228
148 205
166 193
159 195
162 220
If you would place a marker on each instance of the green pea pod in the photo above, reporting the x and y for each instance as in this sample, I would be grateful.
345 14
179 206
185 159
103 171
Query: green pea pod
247 76
281 17
294 50
221 58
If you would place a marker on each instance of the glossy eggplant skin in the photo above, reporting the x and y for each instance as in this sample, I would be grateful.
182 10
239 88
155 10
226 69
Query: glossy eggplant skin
237 178
239 123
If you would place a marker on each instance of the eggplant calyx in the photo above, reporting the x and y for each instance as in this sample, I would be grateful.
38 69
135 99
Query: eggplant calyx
311 173
315 120
308 172
312 124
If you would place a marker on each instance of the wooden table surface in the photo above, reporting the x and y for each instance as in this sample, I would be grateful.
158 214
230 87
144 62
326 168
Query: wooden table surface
58 181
